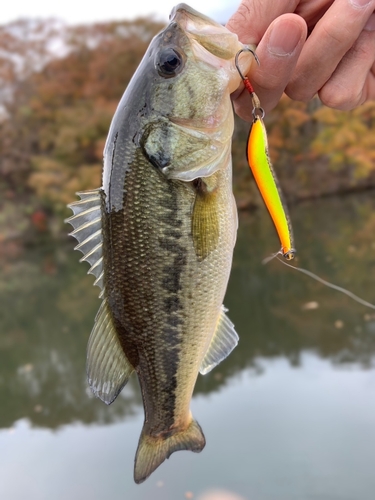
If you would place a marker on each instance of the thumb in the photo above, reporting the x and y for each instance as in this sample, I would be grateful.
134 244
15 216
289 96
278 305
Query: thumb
278 52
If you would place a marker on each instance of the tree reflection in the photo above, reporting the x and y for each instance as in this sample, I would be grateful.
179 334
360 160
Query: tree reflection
48 305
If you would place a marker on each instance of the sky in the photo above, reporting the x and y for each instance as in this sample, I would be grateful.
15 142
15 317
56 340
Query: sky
85 11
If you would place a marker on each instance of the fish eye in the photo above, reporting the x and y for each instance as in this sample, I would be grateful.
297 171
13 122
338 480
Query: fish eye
170 62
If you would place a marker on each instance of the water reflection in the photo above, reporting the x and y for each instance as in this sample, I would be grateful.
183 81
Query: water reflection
48 306
47 310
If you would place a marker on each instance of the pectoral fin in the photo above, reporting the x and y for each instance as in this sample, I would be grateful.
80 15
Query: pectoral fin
205 222
222 344
108 369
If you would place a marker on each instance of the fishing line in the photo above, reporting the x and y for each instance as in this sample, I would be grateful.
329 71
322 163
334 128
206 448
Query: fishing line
320 280
271 257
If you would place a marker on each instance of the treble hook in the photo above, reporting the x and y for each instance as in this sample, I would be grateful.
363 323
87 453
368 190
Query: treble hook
245 49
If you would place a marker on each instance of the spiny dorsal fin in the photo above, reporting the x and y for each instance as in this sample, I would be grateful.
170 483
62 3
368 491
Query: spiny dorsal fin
108 369
87 224
222 344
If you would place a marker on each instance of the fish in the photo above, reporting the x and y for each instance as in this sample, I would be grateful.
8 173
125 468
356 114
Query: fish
160 231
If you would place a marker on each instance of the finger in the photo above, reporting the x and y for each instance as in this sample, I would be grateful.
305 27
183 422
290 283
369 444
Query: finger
352 83
331 38
278 53
312 11
253 17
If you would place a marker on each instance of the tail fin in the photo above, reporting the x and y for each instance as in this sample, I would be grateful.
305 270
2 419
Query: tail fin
152 451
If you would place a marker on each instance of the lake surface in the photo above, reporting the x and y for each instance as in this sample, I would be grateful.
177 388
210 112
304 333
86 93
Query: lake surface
290 415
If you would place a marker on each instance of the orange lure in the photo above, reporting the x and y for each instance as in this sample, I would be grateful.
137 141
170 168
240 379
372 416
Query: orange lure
264 175
261 167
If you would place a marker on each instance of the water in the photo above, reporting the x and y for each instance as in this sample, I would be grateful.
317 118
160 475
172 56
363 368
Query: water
289 415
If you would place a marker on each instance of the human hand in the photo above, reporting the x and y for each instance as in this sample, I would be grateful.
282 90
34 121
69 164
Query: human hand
337 61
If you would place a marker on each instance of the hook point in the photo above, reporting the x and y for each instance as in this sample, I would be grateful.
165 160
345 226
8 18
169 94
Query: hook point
245 49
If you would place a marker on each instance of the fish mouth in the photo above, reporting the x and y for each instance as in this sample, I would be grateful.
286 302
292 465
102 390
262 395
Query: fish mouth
212 42
184 14
208 33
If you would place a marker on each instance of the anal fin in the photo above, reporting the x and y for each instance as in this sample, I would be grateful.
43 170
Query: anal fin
108 369
222 344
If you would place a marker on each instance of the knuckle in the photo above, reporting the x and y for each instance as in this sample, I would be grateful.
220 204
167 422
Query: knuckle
242 22
362 49
299 92
338 96
338 36
238 23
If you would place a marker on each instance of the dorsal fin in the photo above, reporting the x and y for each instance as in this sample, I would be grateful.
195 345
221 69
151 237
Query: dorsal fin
108 369
87 224
222 344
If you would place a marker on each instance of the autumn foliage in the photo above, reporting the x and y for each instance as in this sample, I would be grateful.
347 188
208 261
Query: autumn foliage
60 87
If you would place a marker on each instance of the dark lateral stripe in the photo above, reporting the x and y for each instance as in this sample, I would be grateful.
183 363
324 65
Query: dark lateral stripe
172 285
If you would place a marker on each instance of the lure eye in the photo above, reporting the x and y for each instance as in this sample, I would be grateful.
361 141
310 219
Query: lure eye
170 63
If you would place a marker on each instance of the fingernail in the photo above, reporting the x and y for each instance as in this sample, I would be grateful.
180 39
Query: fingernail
370 25
359 4
284 39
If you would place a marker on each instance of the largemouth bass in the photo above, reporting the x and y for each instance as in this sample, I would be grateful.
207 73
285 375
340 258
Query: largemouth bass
159 234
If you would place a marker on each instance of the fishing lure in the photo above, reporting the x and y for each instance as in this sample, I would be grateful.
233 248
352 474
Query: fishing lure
261 167
264 175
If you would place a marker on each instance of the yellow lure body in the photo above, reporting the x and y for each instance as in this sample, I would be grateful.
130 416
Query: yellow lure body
261 167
